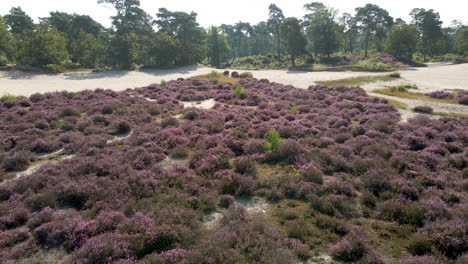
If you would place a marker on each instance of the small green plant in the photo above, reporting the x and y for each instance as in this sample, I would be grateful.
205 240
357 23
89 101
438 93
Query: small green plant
7 97
215 80
163 83
213 74
238 91
272 140
395 75
293 109
403 87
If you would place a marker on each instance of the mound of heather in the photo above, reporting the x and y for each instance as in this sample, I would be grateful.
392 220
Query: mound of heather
142 173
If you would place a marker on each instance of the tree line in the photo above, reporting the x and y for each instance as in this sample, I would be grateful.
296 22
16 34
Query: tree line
175 38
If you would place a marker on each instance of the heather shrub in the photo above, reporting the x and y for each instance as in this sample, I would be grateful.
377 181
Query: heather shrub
421 260
69 111
244 165
403 213
235 74
423 109
16 161
169 122
463 100
440 95
104 249
122 127
254 146
310 173
15 218
352 247
179 152
246 75
50 235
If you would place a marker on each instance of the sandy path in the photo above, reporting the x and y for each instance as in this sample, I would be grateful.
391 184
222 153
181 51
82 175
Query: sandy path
21 83
436 77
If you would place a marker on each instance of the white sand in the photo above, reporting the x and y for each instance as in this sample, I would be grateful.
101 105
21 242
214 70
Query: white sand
436 77
21 83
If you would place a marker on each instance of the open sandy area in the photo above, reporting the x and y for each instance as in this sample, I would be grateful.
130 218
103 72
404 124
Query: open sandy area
436 77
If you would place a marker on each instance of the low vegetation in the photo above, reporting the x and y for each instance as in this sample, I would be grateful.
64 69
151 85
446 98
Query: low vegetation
402 91
356 81
339 175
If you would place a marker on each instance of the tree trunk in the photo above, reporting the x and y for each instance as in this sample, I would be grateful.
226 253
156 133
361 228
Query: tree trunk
366 44
293 60
279 47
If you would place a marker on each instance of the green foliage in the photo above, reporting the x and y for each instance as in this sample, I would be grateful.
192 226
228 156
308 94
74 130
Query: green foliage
125 49
42 47
185 28
163 83
293 109
429 27
461 41
401 41
8 97
6 43
403 87
53 68
164 49
291 33
272 140
18 21
322 29
372 20
395 75
213 74
238 91
218 48
374 64
275 19
88 51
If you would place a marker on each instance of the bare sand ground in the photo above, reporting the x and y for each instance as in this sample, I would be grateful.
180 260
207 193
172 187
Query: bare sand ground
436 77
21 83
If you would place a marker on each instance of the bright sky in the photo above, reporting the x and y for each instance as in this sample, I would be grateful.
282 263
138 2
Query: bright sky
216 12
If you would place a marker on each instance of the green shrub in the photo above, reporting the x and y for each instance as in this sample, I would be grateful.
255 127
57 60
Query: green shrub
245 75
3 61
238 91
293 109
213 74
403 87
395 75
8 97
54 68
163 83
272 140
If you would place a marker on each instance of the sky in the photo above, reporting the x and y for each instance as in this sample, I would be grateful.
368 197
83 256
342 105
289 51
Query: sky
217 12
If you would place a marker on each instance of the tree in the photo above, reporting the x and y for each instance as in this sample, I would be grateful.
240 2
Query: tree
275 19
350 31
293 37
218 48
165 49
6 43
87 50
19 21
322 28
430 30
43 46
372 19
402 40
131 23
461 41
185 28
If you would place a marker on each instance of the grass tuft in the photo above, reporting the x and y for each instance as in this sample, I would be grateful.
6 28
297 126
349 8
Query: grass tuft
355 81
9 97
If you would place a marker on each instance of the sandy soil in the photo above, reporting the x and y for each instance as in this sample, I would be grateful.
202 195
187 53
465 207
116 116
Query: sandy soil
21 83
436 77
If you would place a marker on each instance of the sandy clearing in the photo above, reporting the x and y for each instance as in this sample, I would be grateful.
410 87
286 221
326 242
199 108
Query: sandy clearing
436 77
21 83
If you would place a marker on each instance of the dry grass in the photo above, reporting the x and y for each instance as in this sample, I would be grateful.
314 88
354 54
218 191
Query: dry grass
356 68
220 77
355 81
451 114
413 95
397 104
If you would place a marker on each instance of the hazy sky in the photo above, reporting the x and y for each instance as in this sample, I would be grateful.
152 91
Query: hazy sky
216 12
